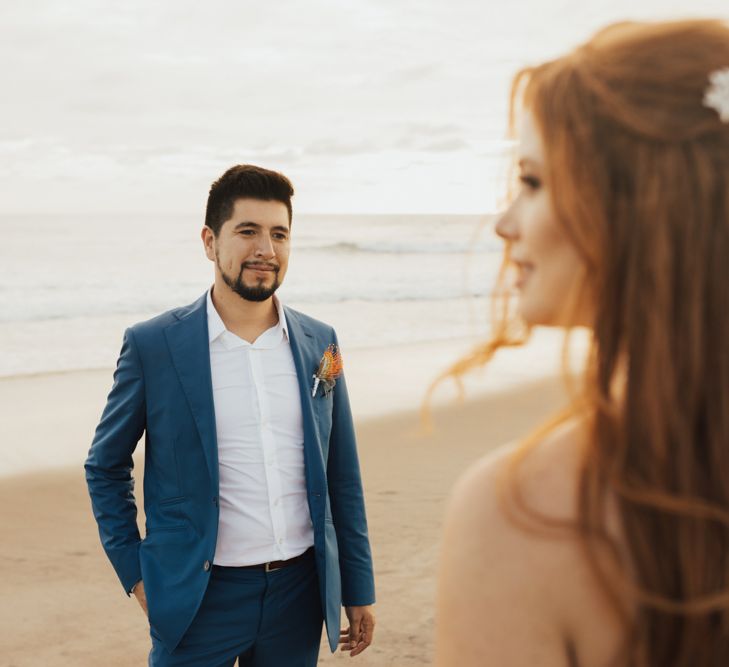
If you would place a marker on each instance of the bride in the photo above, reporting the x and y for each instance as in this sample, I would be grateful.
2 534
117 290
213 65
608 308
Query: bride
604 538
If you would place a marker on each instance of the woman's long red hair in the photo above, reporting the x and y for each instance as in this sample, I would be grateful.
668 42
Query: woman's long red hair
639 172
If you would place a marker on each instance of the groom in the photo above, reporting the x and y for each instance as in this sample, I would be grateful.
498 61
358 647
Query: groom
255 518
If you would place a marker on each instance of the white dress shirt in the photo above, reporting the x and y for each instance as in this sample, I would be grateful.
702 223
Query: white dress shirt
264 513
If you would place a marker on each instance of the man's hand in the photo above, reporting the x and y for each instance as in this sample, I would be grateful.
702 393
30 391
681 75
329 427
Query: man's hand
138 592
358 636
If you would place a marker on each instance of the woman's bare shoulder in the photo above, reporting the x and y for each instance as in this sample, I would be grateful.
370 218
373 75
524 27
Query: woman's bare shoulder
545 475
528 583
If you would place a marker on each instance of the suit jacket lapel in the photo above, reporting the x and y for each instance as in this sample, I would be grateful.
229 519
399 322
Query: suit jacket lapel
305 359
190 351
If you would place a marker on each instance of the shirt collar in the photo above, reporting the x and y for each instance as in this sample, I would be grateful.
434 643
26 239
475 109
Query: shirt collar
281 316
215 323
216 326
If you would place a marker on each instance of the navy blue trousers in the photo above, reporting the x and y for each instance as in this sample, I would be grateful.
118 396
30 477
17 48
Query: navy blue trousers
263 619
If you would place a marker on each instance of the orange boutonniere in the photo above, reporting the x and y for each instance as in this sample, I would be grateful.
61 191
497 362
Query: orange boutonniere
330 368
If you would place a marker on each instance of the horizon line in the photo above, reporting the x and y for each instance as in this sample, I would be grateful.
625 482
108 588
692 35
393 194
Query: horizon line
28 214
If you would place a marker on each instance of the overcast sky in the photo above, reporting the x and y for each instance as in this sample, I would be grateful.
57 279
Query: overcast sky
370 106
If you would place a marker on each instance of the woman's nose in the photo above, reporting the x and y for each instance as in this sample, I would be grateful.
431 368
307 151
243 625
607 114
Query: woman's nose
506 227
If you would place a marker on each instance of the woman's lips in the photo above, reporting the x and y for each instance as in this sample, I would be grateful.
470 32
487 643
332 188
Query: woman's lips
525 270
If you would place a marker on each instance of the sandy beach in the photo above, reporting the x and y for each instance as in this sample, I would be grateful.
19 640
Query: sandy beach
62 604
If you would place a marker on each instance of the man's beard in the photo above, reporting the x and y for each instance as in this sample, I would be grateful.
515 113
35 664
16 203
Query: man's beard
257 293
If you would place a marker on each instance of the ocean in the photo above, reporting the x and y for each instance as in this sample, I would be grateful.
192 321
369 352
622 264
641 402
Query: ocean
70 285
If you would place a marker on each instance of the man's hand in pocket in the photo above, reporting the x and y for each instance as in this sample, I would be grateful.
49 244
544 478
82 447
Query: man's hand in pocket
138 592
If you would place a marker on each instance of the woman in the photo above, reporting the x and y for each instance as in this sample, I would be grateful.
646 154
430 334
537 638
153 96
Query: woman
604 540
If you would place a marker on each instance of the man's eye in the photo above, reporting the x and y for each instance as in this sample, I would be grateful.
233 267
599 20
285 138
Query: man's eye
530 182
247 232
280 237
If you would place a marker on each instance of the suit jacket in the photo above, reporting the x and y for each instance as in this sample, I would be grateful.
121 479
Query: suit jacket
162 389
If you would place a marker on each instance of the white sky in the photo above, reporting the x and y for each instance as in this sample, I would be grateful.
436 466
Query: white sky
369 106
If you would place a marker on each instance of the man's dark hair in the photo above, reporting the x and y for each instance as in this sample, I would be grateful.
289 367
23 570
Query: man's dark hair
245 181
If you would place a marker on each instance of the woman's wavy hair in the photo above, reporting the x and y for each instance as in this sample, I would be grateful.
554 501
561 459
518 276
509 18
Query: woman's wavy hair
639 174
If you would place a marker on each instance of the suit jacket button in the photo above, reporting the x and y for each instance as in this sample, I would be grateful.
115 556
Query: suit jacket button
206 565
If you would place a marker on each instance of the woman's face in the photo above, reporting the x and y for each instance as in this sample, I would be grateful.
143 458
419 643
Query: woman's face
550 272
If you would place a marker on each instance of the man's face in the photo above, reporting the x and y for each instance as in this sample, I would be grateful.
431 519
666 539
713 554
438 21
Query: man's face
251 251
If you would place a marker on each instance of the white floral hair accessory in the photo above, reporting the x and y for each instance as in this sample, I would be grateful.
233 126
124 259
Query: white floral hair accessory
717 94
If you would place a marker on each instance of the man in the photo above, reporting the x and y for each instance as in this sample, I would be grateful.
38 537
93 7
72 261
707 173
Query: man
255 519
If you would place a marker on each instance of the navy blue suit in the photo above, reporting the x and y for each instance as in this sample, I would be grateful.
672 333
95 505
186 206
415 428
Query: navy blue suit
162 389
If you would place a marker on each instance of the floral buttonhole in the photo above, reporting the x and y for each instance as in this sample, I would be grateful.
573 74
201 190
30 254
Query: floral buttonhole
330 368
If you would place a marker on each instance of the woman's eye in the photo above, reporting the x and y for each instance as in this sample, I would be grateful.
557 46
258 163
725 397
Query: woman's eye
530 182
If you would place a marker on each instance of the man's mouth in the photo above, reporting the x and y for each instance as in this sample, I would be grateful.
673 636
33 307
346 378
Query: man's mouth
260 267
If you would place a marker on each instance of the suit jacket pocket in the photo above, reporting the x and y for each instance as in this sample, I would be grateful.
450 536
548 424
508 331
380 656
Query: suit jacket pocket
168 514
162 536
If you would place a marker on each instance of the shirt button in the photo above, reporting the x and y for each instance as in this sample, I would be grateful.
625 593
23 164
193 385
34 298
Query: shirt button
280 541
206 565
275 502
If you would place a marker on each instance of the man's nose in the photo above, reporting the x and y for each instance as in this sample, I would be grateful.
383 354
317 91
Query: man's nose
265 247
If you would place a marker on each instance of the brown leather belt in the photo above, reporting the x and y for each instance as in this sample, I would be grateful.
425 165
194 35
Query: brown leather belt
273 564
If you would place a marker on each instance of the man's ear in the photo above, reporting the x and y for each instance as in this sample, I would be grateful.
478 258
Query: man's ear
208 238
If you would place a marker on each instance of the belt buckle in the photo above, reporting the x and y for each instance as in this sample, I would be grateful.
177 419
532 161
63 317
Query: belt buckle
267 567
